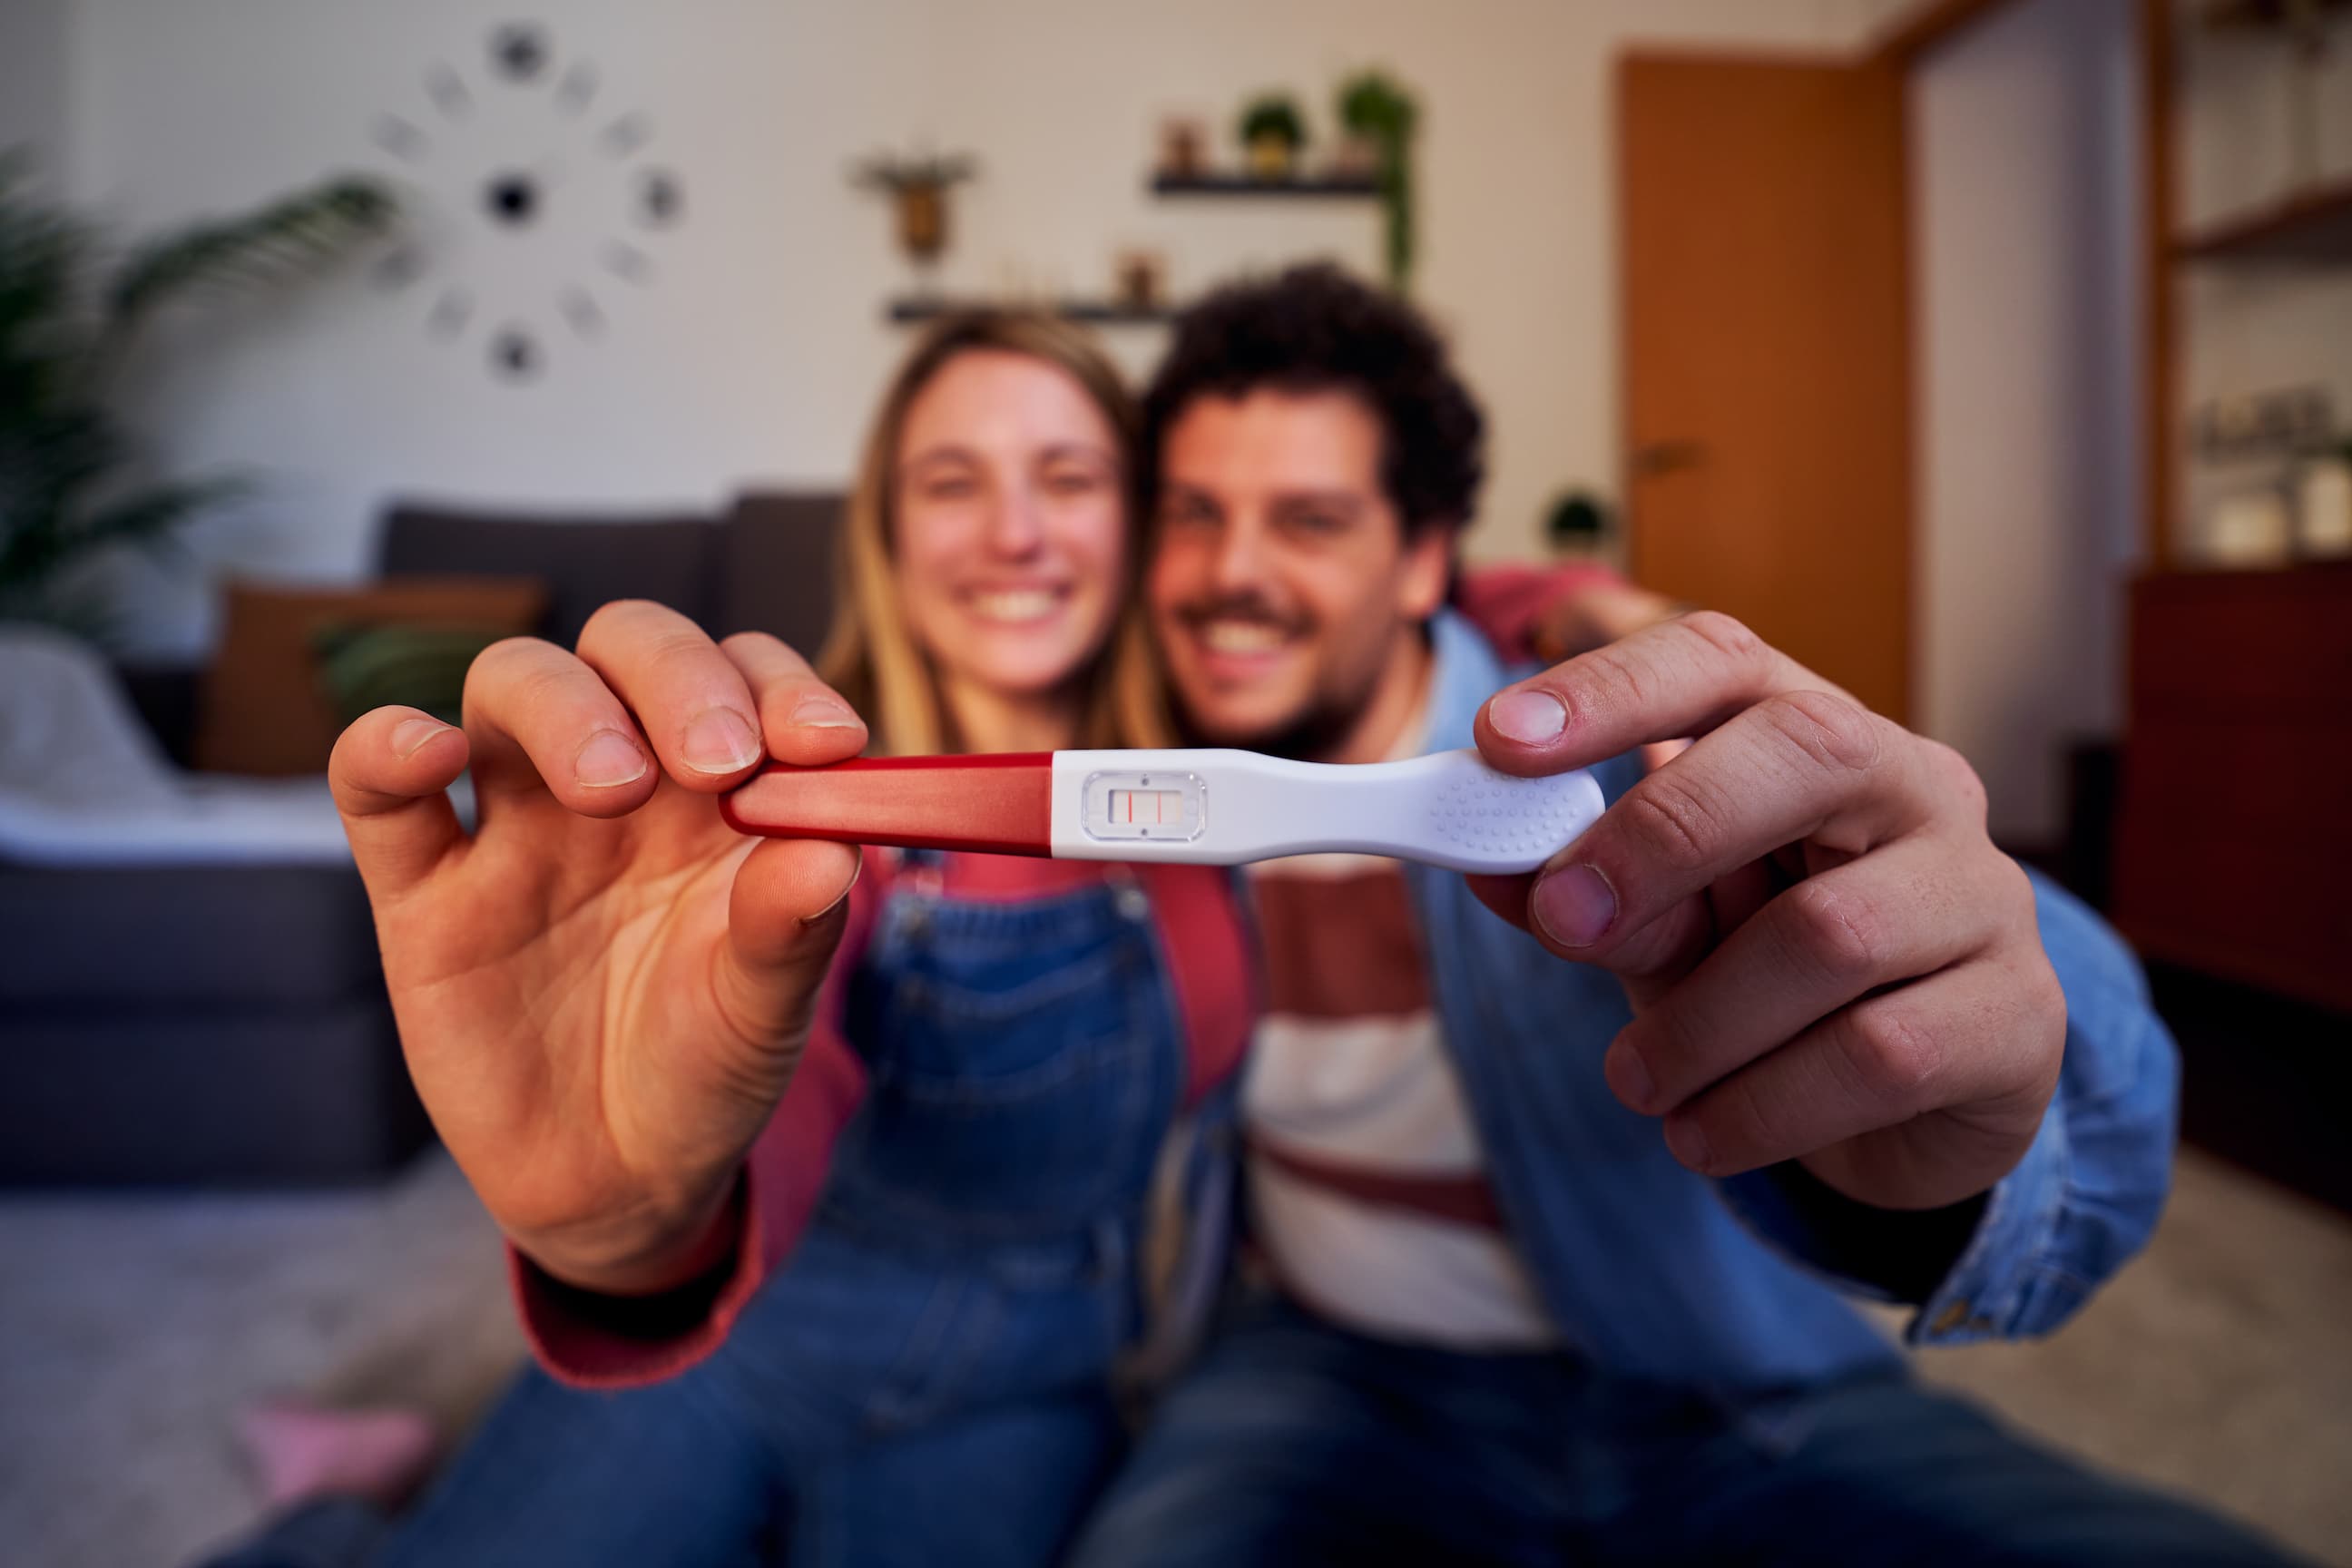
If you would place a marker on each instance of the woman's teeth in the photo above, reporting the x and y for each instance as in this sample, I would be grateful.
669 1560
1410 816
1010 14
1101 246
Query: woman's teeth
1016 604
1241 637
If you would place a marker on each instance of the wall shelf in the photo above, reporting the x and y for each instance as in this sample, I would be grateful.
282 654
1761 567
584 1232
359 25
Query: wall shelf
2312 227
907 310
1344 187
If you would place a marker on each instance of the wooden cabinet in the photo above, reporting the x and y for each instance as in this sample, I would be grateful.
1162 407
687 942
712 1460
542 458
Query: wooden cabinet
2233 843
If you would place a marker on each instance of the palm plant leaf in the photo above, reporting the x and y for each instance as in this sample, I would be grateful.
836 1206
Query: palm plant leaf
61 449
151 518
296 235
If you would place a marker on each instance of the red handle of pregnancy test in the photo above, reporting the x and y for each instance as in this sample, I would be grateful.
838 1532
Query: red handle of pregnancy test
1000 804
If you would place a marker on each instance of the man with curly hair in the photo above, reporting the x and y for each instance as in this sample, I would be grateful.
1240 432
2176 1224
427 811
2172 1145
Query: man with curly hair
1556 1187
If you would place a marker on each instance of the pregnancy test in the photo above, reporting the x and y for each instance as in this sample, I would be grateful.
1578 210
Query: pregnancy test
1202 807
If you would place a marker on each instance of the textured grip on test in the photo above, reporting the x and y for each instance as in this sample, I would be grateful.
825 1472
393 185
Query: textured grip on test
1506 818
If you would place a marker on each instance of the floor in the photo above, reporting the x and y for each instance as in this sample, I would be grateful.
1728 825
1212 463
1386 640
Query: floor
2221 1365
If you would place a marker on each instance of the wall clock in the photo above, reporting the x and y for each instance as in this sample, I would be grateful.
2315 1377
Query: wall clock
543 203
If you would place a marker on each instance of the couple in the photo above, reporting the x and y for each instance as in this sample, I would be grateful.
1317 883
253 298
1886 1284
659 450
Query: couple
846 1193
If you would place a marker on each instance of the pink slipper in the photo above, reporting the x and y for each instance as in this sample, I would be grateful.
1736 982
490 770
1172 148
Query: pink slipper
300 1452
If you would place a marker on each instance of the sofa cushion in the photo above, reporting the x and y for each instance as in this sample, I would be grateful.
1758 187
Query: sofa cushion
164 937
673 560
223 1097
266 711
779 574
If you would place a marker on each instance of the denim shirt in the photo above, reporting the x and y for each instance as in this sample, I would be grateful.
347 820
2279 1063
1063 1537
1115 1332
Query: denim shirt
1656 1271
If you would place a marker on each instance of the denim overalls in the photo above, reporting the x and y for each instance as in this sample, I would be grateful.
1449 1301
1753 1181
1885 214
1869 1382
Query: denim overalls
926 1378
948 1326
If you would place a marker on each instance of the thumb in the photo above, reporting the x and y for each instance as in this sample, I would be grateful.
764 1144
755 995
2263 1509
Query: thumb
1570 903
786 915
1648 962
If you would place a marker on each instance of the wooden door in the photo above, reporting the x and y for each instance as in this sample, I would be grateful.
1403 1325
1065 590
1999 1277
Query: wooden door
1766 359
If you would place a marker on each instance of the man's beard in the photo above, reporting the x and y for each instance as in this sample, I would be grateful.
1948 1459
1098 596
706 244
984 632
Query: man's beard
1315 733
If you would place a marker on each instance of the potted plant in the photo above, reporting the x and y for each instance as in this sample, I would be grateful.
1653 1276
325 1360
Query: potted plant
1272 133
65 500
918 186
1374 106
1576 526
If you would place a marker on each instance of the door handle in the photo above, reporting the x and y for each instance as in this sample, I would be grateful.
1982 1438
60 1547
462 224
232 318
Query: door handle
1659 458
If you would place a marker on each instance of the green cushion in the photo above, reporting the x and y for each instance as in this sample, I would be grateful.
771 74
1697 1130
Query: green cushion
366 665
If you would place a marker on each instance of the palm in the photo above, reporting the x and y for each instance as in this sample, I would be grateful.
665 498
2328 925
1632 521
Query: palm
553 982
603 992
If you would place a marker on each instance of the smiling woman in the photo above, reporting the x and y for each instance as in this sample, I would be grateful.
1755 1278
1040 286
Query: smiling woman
988 550
1010 539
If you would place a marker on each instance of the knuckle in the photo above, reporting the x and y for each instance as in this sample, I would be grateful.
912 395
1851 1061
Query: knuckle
1840 935
1834 731
2013 887
1739 1125
506 656
754 645
1620 684
1672 820
615 616
1959 779
1725 635
507 651
1896 1059
676 647
2045 997
770 665
542 687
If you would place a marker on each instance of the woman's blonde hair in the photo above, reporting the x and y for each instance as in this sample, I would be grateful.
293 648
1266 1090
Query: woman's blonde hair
872 659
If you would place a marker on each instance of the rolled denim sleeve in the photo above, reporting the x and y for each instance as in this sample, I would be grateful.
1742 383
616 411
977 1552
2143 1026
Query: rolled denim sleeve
2083 1199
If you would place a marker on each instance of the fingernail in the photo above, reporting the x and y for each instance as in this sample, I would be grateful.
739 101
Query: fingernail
1575 907
1625 1068
823 713
1531 717
609 759
720 742
839 898
1687 1144
410 736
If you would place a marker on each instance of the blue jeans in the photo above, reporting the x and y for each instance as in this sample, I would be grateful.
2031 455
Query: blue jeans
648 1476
929 1377
1297 1443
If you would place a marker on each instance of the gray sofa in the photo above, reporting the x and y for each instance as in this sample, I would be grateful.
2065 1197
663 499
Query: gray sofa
227 1025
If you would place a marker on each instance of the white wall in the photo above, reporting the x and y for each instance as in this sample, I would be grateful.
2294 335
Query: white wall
33 74
2246 330
753 356
2025 238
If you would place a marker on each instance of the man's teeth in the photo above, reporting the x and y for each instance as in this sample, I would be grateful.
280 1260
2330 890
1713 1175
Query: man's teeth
1016 604
1241 637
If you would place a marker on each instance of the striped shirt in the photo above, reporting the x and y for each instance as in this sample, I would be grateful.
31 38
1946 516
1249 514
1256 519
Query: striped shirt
1367 1188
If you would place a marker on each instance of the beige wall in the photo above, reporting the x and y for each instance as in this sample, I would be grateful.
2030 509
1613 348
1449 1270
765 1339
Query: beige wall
753 356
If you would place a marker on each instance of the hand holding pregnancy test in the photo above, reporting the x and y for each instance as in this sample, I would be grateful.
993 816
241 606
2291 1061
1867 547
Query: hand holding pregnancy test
1202 807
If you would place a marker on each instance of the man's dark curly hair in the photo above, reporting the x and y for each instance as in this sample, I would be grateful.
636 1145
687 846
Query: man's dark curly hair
1315 329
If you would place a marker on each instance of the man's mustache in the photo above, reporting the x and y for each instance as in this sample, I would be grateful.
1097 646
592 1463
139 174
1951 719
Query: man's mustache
1241 607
